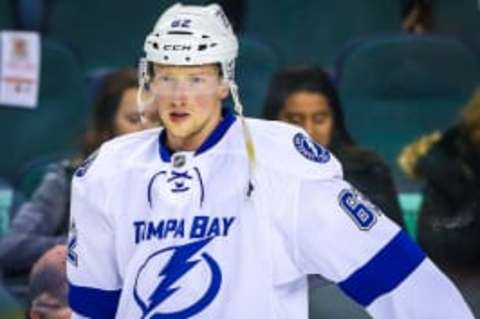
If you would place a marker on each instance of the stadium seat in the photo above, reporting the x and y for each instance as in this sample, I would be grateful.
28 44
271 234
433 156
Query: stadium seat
6 15
395 88
10 200
459 19
6 201
107 33
31 14
255 66
313 31
55 125
410 204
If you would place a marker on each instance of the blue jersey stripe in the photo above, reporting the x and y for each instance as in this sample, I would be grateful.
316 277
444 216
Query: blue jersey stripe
93 303
385 271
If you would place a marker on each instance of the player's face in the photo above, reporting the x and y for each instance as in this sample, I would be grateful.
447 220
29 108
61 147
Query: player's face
312 112
189 102
127 118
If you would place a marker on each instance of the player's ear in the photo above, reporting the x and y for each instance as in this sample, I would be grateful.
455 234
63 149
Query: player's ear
223 89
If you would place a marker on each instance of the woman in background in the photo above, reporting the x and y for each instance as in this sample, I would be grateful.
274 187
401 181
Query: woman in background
306 97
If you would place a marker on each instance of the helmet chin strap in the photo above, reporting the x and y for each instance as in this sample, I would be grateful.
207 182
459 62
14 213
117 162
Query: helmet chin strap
247 136
143 103
228 69
144 82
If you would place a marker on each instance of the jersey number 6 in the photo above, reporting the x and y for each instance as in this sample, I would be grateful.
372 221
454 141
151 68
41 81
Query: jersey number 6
351 202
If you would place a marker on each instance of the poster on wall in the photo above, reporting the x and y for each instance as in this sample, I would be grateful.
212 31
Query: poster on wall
19 69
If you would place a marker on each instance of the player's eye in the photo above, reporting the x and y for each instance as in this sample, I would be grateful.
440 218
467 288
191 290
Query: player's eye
197 80
164 78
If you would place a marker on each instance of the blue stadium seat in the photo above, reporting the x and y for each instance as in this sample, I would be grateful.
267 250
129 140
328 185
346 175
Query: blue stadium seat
395 88
31 14
55 125
313 31
107 33
410 204
6 15
10 201
459 19
255 66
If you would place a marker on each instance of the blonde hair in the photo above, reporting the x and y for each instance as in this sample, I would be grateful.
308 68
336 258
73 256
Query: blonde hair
411 153
470 118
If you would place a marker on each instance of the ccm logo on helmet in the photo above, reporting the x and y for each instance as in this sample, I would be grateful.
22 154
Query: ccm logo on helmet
176 47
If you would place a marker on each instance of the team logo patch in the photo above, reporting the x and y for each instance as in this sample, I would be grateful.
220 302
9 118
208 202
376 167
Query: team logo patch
177 282
310 149
83 168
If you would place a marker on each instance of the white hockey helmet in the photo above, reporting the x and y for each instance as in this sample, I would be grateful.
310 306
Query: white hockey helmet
193 35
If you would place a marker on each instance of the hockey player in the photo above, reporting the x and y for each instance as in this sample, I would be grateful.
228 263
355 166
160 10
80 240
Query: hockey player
217 216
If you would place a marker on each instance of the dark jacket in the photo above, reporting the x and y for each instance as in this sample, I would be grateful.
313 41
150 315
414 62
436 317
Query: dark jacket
449 224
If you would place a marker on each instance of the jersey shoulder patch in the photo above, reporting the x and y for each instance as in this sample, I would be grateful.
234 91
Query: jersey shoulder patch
310 150
301 156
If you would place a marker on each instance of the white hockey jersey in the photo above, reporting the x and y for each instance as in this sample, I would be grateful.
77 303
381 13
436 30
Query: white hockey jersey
190 235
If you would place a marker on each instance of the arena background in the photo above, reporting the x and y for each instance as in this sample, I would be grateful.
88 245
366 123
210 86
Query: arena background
396 82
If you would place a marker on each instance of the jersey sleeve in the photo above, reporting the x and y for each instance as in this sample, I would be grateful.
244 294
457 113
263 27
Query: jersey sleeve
343 237
94 281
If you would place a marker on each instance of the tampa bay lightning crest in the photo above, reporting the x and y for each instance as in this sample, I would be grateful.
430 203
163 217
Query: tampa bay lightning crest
177 282
310 149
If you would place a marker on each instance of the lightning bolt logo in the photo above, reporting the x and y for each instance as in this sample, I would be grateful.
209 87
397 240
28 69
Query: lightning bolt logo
310 149
181 262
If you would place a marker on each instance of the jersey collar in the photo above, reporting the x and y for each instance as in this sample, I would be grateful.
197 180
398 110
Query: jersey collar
214 137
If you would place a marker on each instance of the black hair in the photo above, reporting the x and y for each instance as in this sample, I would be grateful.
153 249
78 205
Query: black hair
310 79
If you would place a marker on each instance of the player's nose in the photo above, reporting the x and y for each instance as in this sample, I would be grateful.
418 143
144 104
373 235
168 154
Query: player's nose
179 92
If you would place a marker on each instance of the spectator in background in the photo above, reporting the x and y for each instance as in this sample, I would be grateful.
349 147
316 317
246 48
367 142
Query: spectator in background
449 164
306 97
449 223
42 222
49 287
417 16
